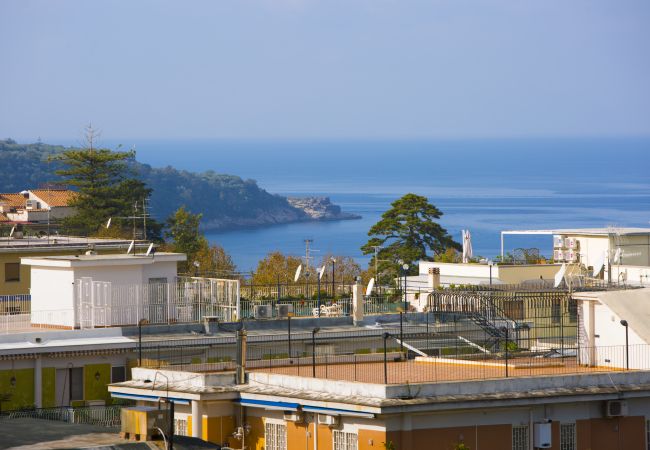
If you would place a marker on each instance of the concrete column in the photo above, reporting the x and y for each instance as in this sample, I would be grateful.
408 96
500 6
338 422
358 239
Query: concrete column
434 277
197 419
357 303
38 382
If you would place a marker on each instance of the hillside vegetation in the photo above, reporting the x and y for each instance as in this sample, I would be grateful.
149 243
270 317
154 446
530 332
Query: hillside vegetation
225 201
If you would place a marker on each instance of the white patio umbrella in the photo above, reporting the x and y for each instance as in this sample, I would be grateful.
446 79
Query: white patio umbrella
467 246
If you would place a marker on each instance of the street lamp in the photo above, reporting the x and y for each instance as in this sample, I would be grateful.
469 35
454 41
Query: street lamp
171 407
404 267
627 345
333 260
313 351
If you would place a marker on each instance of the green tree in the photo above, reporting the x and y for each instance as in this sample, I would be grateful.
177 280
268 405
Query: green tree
276 266
106 189
185 236
408 231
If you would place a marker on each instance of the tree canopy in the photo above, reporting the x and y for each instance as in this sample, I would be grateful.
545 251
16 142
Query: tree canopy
408 231
106 190
275 267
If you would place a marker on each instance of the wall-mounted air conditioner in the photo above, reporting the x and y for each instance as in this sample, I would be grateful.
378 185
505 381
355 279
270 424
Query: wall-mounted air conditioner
263 312
284 309
558 255
330 421
558 241
293 416
616 408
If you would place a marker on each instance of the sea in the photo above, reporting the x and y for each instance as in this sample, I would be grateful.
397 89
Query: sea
484 186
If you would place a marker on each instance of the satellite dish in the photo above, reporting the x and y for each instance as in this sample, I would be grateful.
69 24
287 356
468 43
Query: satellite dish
600 263
559 276
11 233
150 249
371 285
617 256
108 223
297 276
131 246
321 271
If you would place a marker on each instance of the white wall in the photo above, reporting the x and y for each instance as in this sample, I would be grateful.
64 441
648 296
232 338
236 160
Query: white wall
52 293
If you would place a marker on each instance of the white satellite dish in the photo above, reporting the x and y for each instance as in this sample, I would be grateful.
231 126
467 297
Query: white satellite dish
150 249
371 285
321 271
559 276
297 276
11 233
108 222
131 246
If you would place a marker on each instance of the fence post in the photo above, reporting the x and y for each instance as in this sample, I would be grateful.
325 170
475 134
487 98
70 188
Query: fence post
357 303
386 335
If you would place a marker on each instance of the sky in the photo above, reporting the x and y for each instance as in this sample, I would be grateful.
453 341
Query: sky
306 69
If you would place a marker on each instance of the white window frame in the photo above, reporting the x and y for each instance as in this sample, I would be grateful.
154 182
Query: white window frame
345 440
275 434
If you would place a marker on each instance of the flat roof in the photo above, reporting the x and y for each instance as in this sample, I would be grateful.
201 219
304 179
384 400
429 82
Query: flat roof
101 260
58 242
585 231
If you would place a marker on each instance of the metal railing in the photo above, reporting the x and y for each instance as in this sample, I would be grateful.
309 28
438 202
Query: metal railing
105 416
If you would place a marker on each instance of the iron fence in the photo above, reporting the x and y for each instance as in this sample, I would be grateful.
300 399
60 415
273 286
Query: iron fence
296 291
105 416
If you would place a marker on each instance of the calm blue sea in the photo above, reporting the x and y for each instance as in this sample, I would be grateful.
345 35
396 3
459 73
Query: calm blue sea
485 186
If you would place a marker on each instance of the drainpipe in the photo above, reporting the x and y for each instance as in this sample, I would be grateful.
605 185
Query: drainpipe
315 431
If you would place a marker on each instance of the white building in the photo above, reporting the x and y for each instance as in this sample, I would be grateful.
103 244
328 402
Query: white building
602 334
64 288
613 254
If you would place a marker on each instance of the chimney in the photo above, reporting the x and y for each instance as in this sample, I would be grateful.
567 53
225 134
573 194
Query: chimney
434 277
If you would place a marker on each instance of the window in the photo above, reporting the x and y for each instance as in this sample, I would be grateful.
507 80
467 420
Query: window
568 436
344 440
76 383
12 271
118 374
275 435
520 437
180 427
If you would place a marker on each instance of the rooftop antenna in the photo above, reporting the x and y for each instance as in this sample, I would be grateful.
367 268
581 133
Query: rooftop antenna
131 247
308 256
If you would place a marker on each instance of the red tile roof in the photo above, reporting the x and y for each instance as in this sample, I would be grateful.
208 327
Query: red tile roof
55 197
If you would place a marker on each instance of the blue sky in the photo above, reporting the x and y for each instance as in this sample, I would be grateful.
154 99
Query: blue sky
301 69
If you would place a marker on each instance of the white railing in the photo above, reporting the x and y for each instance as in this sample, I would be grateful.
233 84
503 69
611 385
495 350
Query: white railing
102 304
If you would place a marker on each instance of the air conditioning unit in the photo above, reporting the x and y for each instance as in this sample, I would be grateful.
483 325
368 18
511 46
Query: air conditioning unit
330 421
558 241
284 309
558 255
571 255
263 312
542 435
293 417
616 408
